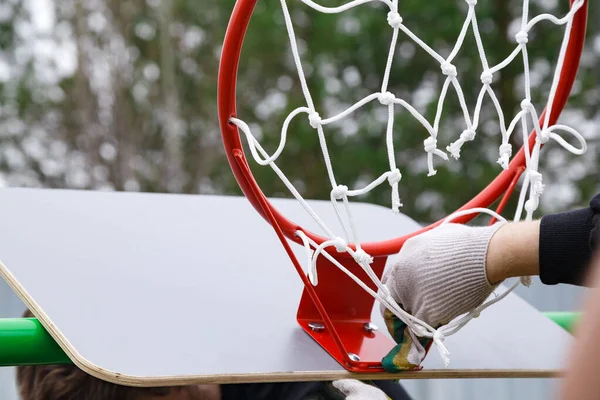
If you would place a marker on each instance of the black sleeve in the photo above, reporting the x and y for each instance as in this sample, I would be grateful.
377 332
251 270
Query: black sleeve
567 241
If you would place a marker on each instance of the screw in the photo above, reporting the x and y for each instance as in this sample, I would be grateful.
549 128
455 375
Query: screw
370 327
316 326
353 357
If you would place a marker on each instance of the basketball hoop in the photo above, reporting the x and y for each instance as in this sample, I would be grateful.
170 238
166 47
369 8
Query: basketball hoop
337 311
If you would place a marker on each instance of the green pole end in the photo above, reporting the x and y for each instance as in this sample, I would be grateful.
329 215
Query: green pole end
567 320
24 341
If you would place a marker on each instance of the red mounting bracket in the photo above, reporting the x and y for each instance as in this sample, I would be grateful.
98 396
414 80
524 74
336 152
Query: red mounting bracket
350 337
337 312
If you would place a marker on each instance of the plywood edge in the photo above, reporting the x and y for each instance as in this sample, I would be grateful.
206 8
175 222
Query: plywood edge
319 376
56 334
284 376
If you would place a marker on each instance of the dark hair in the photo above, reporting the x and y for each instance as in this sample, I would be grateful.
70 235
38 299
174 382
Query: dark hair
68 382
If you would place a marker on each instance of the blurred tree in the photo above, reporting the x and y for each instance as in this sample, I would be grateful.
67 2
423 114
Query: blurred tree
107 94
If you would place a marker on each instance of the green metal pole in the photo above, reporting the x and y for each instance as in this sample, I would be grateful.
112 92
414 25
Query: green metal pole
24 341
567 320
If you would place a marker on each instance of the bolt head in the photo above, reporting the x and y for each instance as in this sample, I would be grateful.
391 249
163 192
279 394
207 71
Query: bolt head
370 327
316 326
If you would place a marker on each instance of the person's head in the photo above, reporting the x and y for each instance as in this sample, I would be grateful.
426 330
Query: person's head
68 382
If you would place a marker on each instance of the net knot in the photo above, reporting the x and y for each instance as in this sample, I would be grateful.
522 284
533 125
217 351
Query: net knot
448 69
471 3
526 105
361 257
505 154
532 204
386 98
506 149
394 19
339 244
522 37
487 77
537 185
314 119
468 135
430 144
339 192
544 136
394 177
537 188
439 336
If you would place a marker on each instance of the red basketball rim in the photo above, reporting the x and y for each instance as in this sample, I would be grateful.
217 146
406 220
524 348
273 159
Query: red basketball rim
228 69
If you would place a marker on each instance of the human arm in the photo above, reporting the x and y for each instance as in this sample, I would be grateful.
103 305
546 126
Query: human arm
452 269
513 252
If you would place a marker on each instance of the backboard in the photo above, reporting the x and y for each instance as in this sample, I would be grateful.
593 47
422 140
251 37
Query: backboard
156 289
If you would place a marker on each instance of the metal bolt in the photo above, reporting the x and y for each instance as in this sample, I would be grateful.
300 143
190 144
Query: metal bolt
370 327
353 357
316 326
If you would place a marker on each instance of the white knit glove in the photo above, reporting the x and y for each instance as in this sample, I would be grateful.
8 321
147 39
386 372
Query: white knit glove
436 277
356 390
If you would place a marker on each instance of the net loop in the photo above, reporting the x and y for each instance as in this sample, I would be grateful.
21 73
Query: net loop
551 133
471 3
340 246
394 19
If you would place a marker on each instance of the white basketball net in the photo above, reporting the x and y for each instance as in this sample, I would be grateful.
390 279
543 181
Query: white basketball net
527 118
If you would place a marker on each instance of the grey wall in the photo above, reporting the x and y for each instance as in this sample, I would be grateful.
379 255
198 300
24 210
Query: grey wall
545 298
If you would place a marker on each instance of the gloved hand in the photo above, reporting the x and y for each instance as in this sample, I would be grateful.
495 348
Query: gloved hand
436 277
357 390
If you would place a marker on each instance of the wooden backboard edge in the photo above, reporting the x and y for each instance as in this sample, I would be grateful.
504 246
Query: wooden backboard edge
284 376
56 334
325 376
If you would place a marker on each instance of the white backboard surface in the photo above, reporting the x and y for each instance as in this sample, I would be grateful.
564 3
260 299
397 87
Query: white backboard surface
155 289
